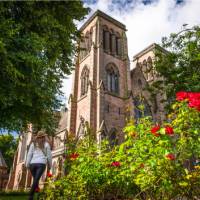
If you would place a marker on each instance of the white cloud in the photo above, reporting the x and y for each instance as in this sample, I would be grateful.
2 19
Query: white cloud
147 24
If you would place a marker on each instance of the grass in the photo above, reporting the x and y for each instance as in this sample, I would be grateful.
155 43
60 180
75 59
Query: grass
17 197
14 197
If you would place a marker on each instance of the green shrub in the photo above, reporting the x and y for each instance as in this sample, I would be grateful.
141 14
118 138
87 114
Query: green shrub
154 162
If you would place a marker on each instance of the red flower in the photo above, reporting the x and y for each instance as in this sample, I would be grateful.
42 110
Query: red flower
180 96
154 130
74 156
116 164
49 174
170 156
169 130
193 97
194 103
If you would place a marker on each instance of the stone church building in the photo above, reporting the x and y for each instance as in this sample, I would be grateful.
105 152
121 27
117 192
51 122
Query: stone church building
105 92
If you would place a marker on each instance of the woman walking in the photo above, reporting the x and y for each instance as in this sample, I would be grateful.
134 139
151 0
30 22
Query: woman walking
39 155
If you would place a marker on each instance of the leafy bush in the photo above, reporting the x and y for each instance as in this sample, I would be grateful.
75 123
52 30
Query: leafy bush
154 161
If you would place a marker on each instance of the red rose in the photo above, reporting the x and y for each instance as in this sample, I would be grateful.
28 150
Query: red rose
180 96
116 164
74 156
170 156
154 130
194 103
49 174
194 95
169 130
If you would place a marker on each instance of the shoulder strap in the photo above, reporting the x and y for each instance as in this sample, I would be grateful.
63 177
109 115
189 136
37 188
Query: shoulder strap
44 151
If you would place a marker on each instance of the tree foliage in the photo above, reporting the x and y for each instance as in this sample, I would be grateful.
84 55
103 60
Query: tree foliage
37 47
8 145
180 67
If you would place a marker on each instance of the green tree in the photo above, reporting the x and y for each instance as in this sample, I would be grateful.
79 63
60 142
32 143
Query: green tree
8 146
37 49
180 67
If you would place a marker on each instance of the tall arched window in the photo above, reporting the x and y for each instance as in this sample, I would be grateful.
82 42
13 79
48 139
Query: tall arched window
90 39
149 69
144 69
87 42
106 39
84 81
141 107
118 44
112 79
113 137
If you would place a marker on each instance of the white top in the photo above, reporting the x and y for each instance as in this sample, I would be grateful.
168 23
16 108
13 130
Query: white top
36 155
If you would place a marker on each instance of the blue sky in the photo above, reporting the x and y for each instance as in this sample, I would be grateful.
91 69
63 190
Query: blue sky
147 21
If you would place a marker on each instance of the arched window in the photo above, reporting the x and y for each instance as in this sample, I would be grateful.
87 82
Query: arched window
106 39
90 39
113 137
112 79
141 107
118 44
139 83
84 81
144 69
82 47
87 41
149 69
103 135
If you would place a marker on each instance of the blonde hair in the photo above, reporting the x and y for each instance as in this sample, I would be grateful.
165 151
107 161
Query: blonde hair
39 142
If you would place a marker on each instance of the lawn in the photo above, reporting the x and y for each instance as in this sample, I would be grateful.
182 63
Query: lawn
16 197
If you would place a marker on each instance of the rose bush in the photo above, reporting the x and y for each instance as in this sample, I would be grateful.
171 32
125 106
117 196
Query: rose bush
154 161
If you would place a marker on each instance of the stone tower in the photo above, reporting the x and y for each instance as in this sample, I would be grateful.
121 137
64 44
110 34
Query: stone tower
101 84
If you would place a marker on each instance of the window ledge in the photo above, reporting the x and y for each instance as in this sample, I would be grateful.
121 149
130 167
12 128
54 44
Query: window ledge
112 54
81 60
82 97
113 94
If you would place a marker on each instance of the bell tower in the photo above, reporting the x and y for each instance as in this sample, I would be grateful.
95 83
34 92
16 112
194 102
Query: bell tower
101 88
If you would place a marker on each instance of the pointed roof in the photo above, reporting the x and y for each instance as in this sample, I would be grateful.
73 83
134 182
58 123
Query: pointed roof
149 48
105 16
2 161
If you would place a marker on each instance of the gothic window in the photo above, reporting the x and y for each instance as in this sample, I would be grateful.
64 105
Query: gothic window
149 69
106 39
112 79
118 45
144 69
87 41
113 137
103 135
112 43
85 44
90 39
139 83
84 81
141 107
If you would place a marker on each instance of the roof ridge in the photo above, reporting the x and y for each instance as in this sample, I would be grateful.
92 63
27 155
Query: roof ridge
104 15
